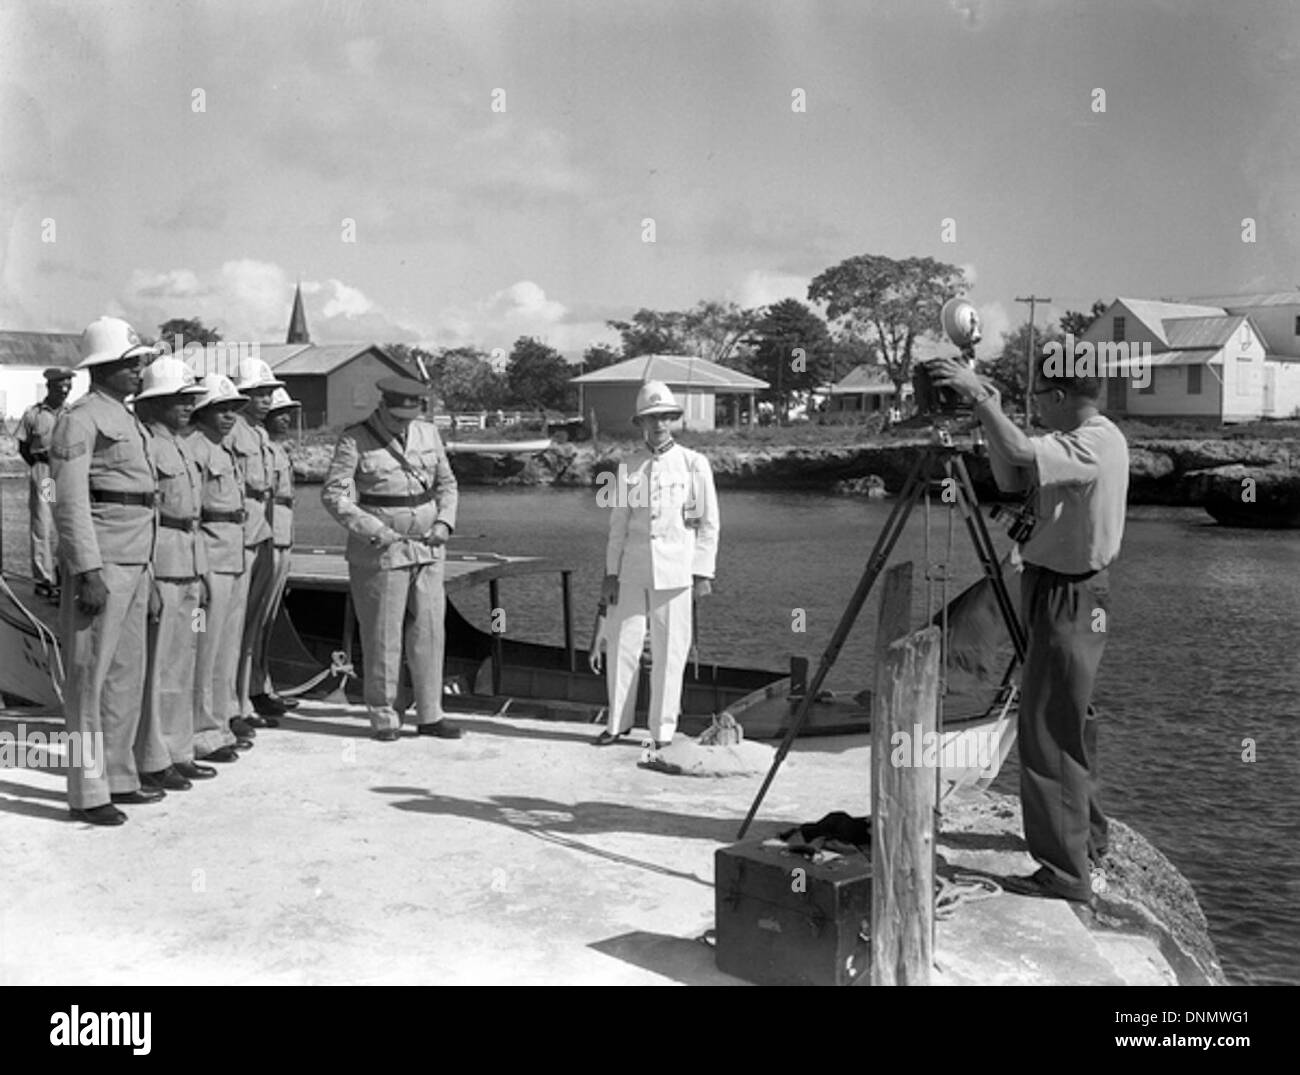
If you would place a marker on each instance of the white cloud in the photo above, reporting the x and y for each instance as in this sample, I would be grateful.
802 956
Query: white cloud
761 287
522 309
251 300
968 270
994 322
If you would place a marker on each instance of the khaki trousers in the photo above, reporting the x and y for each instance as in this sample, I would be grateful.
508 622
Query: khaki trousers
401 609
257 620
215 663
260 676
40 492
103 688
166 734
669 616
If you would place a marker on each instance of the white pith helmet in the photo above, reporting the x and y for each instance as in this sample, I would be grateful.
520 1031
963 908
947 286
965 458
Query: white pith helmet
217 388
110 339
255 373
656 398
281 400
168 376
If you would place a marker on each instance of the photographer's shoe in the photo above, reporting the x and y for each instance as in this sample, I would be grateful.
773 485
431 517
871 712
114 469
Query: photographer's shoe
442 729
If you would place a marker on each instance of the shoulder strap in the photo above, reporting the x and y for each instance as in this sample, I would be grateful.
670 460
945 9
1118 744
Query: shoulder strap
390 443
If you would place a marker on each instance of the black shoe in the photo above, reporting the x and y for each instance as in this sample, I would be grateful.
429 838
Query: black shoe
108 814
221 754
140 797
266 705
284 703
443 729
1043 885
192 770
262 722
241 729
387 735
168 779
607 738
242 743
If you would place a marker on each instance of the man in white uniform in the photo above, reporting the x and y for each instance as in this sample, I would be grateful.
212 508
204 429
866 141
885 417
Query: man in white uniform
663 541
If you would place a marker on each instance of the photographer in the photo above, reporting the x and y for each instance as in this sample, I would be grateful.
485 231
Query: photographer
1077 476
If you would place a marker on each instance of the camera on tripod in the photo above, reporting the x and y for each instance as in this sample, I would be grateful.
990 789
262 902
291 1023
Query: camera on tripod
961 321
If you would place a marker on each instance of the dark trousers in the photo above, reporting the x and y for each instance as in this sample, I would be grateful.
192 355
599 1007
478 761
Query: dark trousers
1065 617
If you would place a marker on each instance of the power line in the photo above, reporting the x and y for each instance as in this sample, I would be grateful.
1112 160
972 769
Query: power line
1033 301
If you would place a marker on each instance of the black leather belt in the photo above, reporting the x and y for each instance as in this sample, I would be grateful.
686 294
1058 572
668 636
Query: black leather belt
284 501
379 500
112 496
209 516
173 522
253 493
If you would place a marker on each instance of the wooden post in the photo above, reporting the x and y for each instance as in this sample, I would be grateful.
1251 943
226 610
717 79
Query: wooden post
904 721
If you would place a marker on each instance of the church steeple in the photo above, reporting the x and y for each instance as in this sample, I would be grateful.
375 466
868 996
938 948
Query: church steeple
298 320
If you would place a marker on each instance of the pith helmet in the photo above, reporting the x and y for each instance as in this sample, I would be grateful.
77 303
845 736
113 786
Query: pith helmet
168 377
254 373
281 400
656 398
110 339
217 388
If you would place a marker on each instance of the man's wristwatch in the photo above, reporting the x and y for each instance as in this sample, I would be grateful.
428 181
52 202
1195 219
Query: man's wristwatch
982 396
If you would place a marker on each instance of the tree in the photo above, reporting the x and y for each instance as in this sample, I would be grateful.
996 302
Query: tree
1009 368
189 329
889 303
466 381
1076 323
538 375
598 356
792 351
710 329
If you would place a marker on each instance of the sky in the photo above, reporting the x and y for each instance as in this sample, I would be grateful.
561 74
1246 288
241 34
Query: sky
469 172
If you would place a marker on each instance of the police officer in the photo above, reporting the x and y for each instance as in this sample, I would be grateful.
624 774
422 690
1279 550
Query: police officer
165 744
663 541
252 447
222 526
33 436
392 488
104 509
267 704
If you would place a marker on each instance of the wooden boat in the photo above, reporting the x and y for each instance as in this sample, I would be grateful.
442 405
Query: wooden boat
500 447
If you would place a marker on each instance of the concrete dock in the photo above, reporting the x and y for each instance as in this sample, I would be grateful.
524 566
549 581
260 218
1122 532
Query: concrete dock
516 855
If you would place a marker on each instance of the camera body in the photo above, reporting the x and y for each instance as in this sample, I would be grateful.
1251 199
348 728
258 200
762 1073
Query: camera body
1020 522
961 323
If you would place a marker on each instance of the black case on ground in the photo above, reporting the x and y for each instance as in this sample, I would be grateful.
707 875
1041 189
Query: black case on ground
778 927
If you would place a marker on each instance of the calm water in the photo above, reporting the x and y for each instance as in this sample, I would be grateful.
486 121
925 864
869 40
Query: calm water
1204 652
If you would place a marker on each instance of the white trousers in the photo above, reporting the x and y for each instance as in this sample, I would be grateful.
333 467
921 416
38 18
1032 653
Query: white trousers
669 616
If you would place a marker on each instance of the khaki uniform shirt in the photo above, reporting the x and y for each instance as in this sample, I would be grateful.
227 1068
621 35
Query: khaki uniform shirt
37 426
98 444
224 492
363 467
252 448
178 554
663 528
282 502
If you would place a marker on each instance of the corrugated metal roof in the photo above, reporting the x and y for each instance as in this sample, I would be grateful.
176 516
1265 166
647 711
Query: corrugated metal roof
1153 313
1201 331
1265 298
676 371
1200 356
40 349
325 358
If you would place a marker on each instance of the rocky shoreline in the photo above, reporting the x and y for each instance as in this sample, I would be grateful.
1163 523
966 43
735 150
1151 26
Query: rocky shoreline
1188 473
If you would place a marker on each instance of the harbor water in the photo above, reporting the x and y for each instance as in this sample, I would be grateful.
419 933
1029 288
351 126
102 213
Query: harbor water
1199 687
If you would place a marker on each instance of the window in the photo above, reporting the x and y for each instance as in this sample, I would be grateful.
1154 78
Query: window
1297 326
1117 330
1193 380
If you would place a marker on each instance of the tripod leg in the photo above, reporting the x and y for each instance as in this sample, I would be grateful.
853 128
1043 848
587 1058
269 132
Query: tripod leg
917 480
988 556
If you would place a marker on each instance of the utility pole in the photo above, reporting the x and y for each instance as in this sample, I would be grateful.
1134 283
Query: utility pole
1033 301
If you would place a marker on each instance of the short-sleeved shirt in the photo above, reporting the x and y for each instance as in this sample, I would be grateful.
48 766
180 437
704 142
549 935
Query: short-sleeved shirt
37 426
1082 491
